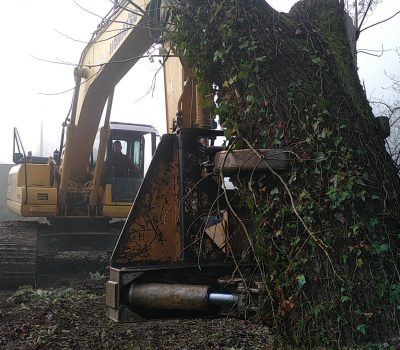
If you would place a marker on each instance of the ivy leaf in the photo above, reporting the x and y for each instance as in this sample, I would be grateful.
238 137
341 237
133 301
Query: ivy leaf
301 280
320 157
379 248
243 45
362 328
250 98
243 75
344 298
361 195
232 80
274 191
261 59
338 140
326 132
292 178
316 60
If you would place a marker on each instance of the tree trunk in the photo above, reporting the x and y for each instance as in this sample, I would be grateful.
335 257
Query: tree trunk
327 234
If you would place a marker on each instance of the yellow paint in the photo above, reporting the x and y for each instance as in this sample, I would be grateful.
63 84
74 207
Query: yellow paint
37 175
112 209
116 211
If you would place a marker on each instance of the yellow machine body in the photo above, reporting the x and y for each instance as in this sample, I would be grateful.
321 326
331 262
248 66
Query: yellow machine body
39 197
73 188
112 209
31 190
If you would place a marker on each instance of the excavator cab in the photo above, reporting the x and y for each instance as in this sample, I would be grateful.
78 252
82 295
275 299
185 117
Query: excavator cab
138 144
125 169
128 176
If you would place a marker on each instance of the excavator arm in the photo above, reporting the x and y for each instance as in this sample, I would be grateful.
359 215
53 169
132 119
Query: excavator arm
124 36
114 50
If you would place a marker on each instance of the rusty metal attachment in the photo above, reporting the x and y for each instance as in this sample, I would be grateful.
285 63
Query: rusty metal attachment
247 160
177 251
169 296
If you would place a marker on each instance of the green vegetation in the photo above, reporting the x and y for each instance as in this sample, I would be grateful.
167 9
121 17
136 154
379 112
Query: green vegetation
26 294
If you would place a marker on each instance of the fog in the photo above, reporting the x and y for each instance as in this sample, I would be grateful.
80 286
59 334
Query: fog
43 42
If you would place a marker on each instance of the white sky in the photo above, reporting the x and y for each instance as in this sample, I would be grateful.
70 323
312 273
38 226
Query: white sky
30 29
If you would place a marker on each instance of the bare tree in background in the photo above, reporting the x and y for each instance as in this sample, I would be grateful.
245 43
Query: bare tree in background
391 109
359 10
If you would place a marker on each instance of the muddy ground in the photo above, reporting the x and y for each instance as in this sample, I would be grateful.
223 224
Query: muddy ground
71 315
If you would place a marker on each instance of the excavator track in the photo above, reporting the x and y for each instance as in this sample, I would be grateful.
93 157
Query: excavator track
18 252
32 253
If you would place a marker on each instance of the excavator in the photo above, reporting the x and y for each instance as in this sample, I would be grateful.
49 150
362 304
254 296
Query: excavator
184 248
77 193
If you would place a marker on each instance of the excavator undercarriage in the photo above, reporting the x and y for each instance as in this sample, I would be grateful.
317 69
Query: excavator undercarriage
32 251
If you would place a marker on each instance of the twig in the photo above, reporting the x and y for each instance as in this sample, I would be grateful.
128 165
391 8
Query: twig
319 242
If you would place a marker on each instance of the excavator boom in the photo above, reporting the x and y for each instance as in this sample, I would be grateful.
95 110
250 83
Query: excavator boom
119 44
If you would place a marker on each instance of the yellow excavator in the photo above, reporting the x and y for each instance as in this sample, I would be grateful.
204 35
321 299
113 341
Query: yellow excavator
183 249
77 190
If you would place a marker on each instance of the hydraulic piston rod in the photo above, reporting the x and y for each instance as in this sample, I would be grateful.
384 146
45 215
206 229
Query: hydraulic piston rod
176 297
222 299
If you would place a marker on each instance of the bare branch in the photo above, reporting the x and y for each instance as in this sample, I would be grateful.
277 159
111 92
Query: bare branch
86 10
70 38
100 64
380 22
369 53
364 16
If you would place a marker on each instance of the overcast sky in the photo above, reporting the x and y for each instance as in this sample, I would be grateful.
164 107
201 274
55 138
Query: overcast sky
31 90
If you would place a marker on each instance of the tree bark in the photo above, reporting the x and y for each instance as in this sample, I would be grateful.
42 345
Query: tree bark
327 234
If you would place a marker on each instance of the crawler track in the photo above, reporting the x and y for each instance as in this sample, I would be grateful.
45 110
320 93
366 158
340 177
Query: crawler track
18 255
31 252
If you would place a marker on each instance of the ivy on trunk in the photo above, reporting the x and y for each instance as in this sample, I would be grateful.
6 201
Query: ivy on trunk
326 234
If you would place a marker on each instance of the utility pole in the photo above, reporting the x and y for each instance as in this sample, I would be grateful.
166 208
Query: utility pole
41 139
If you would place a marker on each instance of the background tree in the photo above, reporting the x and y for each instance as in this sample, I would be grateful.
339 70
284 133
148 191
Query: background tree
391 109
359 11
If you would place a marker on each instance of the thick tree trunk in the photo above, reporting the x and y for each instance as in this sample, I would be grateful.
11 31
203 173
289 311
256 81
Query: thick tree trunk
328 233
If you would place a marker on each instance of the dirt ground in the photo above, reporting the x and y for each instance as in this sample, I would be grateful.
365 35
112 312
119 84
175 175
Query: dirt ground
72 316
